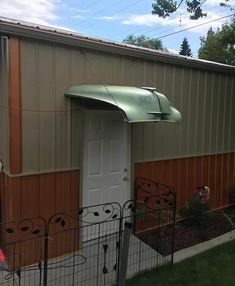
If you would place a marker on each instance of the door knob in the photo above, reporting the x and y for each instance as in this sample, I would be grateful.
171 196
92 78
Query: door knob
125 179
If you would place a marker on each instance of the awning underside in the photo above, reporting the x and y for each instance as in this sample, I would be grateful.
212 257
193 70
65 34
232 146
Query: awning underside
136 104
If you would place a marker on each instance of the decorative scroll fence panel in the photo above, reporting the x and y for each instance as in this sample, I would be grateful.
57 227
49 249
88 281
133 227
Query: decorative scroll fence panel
91 238
88 246
22 242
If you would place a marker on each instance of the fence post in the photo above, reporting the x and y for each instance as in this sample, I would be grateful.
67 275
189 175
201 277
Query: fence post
173 234
124 254
45 257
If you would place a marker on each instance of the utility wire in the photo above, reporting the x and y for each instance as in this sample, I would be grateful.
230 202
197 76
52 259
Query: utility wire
199 25
100 11
91 5
153 29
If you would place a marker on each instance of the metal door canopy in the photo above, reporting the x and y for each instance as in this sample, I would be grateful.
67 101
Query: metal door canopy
137 104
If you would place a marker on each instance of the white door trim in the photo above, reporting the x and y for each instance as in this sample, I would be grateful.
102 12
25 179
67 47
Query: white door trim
108 115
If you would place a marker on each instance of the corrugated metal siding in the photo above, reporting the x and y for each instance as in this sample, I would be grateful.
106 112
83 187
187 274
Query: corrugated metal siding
46 120
39 195
4 114
185 175
207 106
51 139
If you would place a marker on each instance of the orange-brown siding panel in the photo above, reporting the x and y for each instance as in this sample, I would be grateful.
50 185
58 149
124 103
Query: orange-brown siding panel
30 196
15 124
12 198
186 174
39 195
47 195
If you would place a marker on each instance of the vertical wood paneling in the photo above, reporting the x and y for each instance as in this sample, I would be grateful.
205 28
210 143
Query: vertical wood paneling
15 129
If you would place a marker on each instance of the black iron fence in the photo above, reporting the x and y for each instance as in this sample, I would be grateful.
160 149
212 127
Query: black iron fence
95 245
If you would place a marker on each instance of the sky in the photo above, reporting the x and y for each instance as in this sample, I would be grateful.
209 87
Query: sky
116 19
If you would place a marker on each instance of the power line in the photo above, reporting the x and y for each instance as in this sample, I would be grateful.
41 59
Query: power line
154 29
91 5
100 11
199 25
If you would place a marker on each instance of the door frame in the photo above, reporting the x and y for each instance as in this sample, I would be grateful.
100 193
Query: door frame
108 113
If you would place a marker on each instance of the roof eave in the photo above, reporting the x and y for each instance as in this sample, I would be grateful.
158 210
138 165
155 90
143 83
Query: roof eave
12 29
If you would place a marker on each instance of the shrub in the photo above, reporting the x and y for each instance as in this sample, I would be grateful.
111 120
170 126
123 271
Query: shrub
196 213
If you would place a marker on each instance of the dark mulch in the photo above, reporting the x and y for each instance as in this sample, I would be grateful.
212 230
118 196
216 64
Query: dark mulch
187 235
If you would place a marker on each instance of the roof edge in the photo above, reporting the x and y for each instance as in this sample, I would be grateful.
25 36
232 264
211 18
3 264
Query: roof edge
72 39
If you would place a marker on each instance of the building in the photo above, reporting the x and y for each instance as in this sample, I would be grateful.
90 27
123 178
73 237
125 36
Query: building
44 135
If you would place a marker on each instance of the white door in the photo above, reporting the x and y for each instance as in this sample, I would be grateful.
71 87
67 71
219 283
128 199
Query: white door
105 158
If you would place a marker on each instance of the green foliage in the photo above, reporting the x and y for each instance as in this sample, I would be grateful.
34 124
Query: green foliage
185 49
196 213
143 41
219 46
163 8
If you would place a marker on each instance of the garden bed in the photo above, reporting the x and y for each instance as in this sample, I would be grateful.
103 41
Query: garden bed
187 235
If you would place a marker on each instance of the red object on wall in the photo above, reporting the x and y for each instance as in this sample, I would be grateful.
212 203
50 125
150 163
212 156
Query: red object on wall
2 256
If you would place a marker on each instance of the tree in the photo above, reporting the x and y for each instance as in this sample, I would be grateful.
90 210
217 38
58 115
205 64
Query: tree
219 46
163 8
185 49
143 41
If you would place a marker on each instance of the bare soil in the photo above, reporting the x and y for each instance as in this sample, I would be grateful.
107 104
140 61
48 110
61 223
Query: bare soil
187 235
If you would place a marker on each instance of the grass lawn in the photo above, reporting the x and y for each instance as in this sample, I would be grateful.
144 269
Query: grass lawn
214 267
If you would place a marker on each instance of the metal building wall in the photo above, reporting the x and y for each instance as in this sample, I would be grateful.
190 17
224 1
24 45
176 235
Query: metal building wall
52 136
207 104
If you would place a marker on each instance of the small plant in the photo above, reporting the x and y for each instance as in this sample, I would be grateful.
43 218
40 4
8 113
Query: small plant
198 211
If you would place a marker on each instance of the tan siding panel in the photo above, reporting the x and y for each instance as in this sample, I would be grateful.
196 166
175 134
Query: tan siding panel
148 144
30 104
77 65
76 136
4 114
137 136
47 107
62 70
198 95
232 138
221 114
207 114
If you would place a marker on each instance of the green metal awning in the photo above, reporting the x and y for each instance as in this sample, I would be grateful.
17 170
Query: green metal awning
136 104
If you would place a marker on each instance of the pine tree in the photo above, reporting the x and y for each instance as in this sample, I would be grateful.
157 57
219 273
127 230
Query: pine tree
185 49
